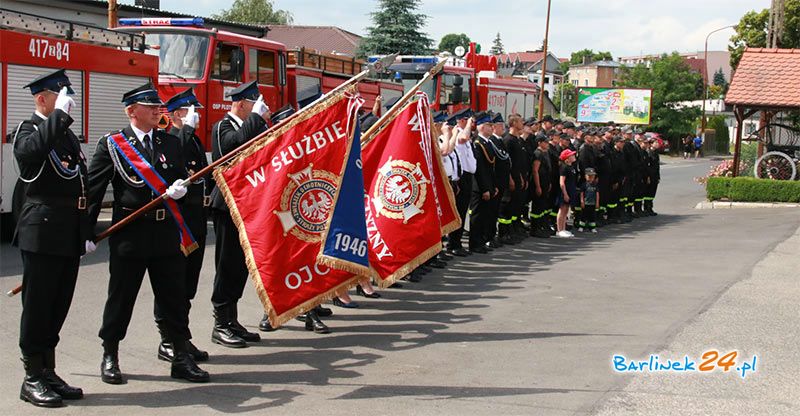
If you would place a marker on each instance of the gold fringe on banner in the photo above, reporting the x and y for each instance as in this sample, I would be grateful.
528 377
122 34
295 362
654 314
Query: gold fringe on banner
410 266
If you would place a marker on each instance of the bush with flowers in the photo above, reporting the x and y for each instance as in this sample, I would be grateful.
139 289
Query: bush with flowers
723 170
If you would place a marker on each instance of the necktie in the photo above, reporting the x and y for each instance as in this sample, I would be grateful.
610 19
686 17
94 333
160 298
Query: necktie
148 147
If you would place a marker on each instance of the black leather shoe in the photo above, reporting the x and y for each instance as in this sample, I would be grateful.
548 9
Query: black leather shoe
323 312
436 263
184 367
109 369
37 392
480 250
494 244
60 386
166 352
459 252
338 302
444 256
243 333
264 325
197 354
424 269
313 323
222 335
373 295
415 277
396 285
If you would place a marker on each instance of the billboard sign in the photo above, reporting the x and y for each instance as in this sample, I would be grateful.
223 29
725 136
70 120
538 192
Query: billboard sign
620 105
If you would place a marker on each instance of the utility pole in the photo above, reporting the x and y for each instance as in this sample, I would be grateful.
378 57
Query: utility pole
112 13
775 26
544 64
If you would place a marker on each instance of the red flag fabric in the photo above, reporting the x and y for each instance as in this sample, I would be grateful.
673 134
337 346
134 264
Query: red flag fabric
281 191
403 225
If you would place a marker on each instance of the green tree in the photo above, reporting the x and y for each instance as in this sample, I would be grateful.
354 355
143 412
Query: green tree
396 28
258 12
450 41
569 107
721 134
577 58
719 78
752 31
671 80
497 46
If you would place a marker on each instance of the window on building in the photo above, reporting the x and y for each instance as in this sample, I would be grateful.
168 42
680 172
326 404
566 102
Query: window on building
262 67
228 63
575 82
586 82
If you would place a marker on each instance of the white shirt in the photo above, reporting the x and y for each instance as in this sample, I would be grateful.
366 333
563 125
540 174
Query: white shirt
40 115
238 121
465 155
448 161
140 135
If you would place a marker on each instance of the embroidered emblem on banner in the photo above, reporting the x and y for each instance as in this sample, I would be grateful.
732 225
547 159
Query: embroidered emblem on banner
400 193
306 203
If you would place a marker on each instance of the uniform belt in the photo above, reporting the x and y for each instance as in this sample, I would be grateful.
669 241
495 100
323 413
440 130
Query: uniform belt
157 214
59 201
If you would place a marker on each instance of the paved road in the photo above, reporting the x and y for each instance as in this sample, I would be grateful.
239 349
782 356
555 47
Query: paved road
530 330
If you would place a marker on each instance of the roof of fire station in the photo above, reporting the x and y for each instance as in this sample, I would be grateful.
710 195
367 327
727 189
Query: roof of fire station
766 78
325 39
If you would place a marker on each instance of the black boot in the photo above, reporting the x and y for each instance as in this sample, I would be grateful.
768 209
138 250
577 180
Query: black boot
222 333
239 330
183 366
196 353
165 350
264 325
56 383
35 389
322 311
109 368
313 323
540 228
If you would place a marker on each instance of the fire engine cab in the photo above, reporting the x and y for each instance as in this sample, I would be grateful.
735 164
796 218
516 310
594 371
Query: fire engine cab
214 61
101 65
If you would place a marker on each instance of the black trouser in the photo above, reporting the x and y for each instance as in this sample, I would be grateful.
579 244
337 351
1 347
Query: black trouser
627 196
650 195
510 209
604 187
194 263
231 274
615 204
588 217
463 196
48 283
169 288
480 220
639 192
494 210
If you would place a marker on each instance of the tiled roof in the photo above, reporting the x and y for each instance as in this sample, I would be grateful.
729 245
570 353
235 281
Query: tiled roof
698 65
325 39
527 57
766 78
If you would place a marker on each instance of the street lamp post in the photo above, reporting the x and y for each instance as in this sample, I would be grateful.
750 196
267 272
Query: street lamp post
705 82
544 63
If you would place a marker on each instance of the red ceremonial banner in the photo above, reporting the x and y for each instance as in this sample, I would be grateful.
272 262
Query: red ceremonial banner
403 225
281 191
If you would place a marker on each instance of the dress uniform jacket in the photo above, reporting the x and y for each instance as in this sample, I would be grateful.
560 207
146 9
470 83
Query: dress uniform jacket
227 135
54 174
152 234
193 207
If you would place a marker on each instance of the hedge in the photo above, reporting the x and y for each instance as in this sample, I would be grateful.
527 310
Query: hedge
752 190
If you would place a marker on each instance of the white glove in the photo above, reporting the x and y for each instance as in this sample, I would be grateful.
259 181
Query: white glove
177 190
192 118
260 107
64 102
90 247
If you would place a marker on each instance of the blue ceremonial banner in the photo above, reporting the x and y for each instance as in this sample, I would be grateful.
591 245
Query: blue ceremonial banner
346 238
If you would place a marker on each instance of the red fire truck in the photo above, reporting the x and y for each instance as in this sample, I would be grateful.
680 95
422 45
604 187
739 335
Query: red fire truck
101 64
471 82
215 61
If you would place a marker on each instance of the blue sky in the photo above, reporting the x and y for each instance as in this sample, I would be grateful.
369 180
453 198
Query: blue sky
624 27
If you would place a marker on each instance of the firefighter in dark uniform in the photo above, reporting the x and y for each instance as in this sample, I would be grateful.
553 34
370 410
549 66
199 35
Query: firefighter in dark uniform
541 184
484 186
555 160
51 233
184 120
246 120
633 163
150 243
514 198
502 171
654 170
619 170
641 187
587 159
605 147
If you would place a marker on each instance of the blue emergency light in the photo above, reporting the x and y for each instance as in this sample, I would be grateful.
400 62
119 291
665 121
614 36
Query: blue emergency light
162 21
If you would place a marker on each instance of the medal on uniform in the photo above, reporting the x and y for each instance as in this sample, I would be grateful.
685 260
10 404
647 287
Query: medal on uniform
163 160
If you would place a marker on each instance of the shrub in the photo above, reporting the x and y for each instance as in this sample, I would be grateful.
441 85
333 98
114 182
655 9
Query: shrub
724 169
752 190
